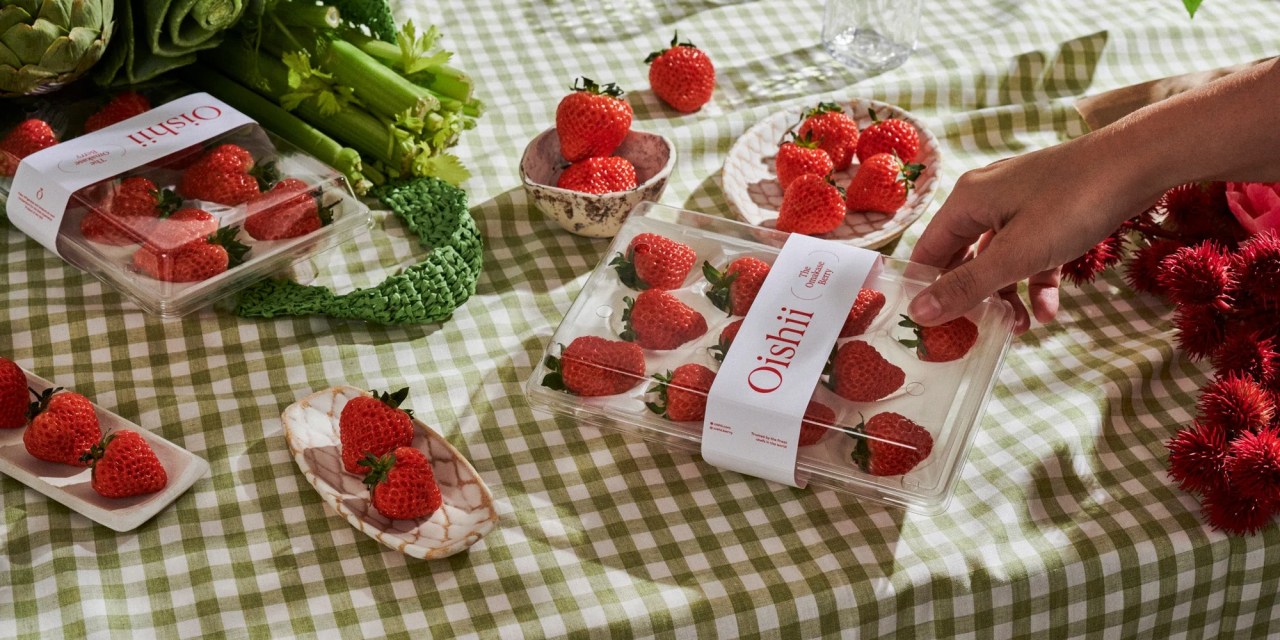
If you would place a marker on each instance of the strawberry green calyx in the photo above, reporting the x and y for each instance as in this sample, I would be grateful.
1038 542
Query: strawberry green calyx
554 380
267 174
914 343
823 107
393 399
718 292
663 379
166 201
861 452
806 141
379 467
95 453
588 85
228 238
626 268
675 42
42 401
628 333
910 173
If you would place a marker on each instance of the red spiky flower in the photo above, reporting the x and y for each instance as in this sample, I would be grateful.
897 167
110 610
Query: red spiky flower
1257 263
1199 211
1200 331
1143 271
1227 510
1101 257
1250 354
1200 275
1198 457
1253 465
1236 404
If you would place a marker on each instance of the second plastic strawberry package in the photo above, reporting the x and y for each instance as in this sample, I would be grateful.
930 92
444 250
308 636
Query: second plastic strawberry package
884 409
175 206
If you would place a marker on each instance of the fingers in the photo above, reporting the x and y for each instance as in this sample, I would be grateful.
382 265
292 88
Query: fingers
1042 288
959 290
950 233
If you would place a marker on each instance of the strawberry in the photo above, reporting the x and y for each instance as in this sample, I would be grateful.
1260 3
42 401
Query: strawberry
290 209
890 445
818 420
859 373
173 231
798 157
64 427
654 262
865 307
592 366
682 76
226 175
733 290
128 211
682 394
194 261
13 395
655 319
943 343
25 139
727 335
881 184
592 121
123 106
833 130
891 136
811 205
373 425
124 465
609 174
402 485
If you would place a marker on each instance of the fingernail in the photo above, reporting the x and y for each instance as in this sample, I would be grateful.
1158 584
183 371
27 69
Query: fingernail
924 308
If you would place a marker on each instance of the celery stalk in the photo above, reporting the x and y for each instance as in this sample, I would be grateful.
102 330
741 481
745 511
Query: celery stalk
383 90
300 14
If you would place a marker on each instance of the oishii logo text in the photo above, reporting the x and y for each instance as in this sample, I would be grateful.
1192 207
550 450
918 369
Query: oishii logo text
173 125
781 345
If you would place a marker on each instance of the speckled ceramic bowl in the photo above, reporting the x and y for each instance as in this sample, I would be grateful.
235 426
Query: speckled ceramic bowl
311 428
586 214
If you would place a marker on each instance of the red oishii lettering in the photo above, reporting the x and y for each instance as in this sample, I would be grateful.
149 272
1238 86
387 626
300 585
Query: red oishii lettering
173 125
780 346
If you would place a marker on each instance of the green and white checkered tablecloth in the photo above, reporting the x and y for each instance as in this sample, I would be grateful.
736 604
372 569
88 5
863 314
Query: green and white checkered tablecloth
1064 522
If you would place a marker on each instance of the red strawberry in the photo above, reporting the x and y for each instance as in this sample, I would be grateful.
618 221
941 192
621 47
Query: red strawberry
25 139
682 395
592 366
124 465
609 174
818 420
734 289
592 121
682 76
64 427
373 425
859 373
811 205
194 261
798 157
123 106
727 335
943 343
654 262
402 485
835 132
289 210
655 319
865 307
128 211
171 232
892 136
881 184
13 395
891 445
226 175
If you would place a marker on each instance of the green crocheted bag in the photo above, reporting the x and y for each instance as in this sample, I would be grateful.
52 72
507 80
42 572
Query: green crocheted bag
424 293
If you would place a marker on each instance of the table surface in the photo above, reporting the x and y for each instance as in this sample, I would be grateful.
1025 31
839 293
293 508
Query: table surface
1064 520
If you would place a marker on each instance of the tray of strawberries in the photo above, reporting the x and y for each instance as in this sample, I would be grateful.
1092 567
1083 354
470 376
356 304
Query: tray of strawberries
92 461
891 417
857 171
181 230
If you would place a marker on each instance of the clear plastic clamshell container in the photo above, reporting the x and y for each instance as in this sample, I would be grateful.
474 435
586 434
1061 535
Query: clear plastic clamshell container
138 231
946 399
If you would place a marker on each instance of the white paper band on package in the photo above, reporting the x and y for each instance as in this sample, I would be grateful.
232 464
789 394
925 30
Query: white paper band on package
759 396
45 180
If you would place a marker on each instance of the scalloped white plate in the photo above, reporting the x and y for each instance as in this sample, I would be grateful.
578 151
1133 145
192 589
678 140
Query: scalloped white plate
71 486
751 185
311 428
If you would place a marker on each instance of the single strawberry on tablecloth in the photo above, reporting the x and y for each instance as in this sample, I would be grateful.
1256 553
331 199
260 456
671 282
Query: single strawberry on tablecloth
373 425
682 76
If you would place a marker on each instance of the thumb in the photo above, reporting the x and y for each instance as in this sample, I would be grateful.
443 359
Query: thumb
959 290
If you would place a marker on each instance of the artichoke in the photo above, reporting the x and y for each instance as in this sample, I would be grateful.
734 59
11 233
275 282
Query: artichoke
47 43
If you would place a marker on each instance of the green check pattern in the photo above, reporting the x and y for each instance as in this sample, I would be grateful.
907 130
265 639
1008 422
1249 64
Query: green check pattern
1064 523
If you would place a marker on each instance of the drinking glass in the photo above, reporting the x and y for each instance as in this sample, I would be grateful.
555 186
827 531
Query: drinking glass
876 35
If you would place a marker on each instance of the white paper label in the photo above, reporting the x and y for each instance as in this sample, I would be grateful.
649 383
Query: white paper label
45 180
760 394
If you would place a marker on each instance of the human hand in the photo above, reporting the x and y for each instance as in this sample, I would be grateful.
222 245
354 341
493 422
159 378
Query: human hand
1020 219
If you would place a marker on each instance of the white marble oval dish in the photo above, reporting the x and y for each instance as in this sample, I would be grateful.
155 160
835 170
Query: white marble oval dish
751 185
467 513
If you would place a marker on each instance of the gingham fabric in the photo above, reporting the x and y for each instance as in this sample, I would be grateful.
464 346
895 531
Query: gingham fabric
1064 522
